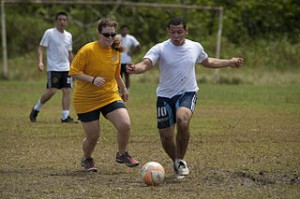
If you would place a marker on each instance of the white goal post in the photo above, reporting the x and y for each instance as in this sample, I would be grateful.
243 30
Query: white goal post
117 3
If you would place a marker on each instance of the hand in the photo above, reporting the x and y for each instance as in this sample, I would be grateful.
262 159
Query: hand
130 68
99 81
236 62
41 66
124 95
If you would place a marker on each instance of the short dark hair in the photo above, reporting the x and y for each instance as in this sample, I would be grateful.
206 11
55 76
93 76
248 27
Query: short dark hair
177 21
124 26
60 13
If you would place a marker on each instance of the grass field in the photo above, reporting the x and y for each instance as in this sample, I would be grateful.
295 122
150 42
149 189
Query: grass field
245 143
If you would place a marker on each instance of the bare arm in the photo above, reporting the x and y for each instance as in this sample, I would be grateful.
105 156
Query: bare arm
40 57
97 81
121 83
71 56
221 63
124 92
141 67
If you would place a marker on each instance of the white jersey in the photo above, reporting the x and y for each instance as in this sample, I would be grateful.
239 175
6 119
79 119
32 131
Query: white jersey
58 47
177 66
128 41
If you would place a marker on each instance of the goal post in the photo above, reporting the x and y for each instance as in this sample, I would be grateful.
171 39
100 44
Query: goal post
4 42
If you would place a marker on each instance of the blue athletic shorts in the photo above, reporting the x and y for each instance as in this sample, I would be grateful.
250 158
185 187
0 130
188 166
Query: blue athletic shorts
58 79
167 107
95 114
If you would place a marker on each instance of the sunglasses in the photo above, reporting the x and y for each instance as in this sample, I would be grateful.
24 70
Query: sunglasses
112 35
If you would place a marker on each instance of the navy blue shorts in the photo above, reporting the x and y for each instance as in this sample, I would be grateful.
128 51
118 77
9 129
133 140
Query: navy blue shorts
95 114
58 79
167 107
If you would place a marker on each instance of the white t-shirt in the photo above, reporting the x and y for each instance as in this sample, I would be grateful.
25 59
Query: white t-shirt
128 41
58 47
177 66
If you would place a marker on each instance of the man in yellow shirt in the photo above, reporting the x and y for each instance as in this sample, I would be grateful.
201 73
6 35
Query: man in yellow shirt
96 67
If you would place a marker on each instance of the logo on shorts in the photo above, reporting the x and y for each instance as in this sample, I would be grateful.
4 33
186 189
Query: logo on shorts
55 80
69 80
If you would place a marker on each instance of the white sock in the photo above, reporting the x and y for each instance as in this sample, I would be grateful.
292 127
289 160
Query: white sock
65 114
38 106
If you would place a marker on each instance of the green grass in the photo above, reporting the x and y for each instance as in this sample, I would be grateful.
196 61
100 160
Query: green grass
245 143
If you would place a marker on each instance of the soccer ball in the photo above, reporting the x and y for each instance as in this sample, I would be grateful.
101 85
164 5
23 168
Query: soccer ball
153 173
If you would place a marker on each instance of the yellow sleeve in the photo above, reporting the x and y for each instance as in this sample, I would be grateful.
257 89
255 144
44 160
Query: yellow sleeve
79 62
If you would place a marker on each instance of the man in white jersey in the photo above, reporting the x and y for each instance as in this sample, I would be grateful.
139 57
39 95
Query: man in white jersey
58 43
132 46
177 89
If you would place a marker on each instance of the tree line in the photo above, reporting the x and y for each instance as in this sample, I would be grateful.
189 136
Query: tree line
243 20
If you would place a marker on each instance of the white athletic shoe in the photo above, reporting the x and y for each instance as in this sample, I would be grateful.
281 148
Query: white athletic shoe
180 169
178 177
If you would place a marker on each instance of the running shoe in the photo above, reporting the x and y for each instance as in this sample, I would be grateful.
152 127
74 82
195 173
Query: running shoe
88 164
127 159
180 169
33 115
68 120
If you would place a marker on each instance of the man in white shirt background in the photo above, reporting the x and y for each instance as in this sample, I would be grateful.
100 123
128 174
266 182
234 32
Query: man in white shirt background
132 46
58 43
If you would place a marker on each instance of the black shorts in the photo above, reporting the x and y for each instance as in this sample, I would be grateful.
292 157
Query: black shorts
167 107
58 79
95 114
123 69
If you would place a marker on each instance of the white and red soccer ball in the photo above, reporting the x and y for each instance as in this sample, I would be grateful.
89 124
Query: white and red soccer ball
153 173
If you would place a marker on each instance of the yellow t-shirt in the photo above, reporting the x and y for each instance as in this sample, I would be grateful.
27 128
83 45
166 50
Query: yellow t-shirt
94 60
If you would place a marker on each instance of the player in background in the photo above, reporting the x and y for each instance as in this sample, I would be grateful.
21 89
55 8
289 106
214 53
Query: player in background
132 46
177 88
58 43
96 69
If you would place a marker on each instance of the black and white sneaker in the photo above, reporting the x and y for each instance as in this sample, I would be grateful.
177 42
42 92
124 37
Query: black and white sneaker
68 120
180 169
33 115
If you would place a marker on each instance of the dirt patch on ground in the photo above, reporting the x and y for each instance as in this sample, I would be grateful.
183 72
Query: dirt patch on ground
217 177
